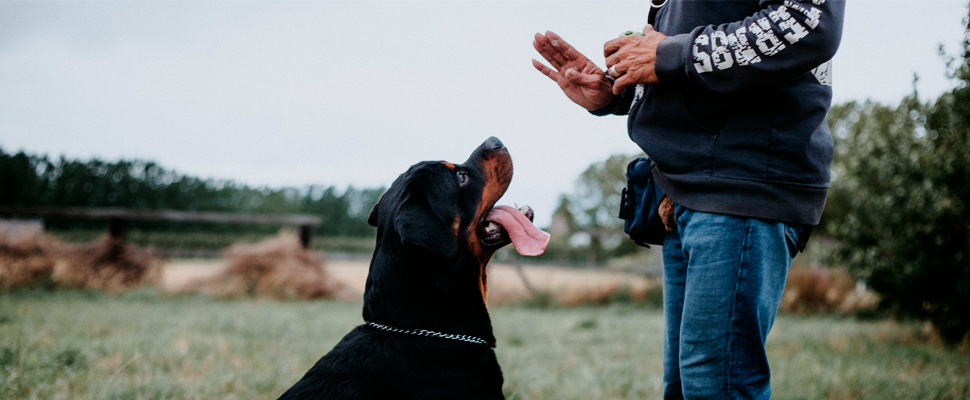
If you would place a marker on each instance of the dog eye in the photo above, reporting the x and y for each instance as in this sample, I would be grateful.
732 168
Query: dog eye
462 178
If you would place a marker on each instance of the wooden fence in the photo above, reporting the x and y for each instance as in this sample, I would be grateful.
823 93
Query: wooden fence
118 218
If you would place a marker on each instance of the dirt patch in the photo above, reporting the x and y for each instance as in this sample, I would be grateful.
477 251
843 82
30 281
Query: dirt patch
563 285
180 273
566 286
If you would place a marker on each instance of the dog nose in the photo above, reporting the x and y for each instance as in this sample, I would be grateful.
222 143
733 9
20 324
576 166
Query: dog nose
489 149
493 144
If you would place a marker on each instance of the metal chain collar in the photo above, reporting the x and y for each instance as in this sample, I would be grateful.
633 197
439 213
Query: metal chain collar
422 332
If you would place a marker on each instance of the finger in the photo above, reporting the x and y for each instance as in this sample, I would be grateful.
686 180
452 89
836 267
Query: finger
648 29
622 82
545 70
572 75
559 46
548 51
569 52
584 80
612 46
625 76
621 68
614 71
614 59
539 44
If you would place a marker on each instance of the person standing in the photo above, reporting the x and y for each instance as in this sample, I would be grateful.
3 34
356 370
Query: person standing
729 99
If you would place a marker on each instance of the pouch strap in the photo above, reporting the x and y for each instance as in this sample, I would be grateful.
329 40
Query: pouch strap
655 6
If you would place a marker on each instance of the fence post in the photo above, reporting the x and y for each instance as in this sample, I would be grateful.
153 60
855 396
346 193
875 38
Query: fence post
306 233
117 228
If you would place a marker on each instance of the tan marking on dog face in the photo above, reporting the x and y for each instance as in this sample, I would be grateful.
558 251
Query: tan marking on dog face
483 286
497 171
449 165
497 174
475 247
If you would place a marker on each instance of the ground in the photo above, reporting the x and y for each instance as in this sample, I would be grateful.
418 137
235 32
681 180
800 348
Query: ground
155 344
567 285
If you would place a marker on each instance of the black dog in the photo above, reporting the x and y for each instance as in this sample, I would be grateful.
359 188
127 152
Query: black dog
428 333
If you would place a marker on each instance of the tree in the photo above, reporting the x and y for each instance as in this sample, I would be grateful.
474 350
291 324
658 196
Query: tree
36 181
594 206
900 188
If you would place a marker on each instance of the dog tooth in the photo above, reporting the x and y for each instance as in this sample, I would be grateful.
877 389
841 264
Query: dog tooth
492 227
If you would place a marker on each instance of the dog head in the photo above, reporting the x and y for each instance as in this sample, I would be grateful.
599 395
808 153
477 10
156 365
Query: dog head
439 222
439 208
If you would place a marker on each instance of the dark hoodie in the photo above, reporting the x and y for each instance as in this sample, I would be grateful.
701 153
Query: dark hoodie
736 124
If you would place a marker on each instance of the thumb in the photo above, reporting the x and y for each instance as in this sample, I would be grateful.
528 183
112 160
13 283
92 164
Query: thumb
647 29
573 75
578 78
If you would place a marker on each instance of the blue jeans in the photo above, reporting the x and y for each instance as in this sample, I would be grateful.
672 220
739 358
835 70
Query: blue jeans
723 280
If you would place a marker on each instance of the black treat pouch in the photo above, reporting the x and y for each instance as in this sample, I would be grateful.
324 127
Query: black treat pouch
640 202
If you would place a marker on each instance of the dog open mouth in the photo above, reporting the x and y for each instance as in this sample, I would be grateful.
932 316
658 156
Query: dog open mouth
505 224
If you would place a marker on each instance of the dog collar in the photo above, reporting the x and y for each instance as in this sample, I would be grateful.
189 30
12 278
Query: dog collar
422 332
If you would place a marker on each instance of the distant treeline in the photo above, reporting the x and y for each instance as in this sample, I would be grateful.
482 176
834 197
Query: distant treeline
31 180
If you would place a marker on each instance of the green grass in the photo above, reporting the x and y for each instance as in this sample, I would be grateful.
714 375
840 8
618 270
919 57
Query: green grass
143 345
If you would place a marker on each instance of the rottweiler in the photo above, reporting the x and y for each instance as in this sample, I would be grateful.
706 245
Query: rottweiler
427 333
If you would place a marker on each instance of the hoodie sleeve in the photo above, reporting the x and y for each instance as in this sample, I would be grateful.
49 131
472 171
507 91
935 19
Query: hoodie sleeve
785 39
621 102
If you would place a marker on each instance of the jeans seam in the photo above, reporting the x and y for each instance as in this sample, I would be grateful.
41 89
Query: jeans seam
734 307
677 220
790 237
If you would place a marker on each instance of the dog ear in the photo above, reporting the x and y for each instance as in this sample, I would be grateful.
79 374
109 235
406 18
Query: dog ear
372 219
427 220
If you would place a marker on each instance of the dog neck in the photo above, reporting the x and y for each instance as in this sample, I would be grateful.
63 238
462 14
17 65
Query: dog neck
421 291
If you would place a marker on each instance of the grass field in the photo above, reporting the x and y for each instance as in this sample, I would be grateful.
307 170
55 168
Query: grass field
146 345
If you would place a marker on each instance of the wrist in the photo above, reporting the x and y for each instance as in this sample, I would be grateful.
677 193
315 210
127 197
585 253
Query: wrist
671 59
607 108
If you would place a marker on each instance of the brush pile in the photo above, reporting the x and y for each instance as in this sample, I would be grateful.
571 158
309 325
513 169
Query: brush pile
26 260
278 267
109 264
821 289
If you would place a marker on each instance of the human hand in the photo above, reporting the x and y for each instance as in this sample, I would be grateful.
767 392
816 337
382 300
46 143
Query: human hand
632 59
581 80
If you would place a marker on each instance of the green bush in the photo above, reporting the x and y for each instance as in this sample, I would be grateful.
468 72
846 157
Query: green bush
900 195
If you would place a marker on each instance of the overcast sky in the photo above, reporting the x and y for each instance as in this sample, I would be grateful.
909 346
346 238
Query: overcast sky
353 92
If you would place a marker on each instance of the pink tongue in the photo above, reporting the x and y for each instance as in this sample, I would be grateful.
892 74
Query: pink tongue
527 239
